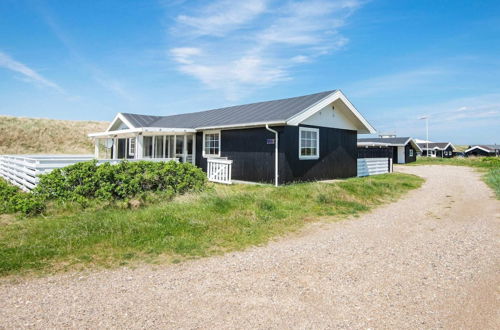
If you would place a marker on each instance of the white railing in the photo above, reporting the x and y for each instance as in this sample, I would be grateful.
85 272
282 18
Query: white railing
373 166
219 170
23 171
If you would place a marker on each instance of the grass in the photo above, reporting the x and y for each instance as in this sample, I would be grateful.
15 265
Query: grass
490 166
224 218
39 136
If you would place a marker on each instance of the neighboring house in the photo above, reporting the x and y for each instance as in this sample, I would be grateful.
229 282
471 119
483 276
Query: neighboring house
311 137
437 149
483 150
404 149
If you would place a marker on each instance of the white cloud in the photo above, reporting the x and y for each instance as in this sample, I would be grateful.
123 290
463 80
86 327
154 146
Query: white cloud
238 46
9 63
223 16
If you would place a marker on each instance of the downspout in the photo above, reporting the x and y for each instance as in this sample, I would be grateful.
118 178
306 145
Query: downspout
275 154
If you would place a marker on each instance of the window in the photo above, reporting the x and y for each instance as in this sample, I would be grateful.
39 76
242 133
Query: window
131 146
308 143
411 152
211 144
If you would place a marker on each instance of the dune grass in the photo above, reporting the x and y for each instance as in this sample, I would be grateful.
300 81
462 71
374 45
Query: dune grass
47 136
490 166
221 219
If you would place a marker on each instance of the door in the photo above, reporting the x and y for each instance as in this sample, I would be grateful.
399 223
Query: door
401 155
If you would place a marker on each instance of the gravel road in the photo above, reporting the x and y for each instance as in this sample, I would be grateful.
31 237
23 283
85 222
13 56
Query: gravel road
431 260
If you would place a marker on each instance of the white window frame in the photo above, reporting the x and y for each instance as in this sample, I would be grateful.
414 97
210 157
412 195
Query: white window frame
308 129
203 145
131 151
411 152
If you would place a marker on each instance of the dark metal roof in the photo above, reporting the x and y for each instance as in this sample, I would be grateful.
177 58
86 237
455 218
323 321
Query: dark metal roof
432 145
261 112
390 141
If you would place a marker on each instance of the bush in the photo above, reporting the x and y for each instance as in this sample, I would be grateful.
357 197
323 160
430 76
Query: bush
87 180
14 200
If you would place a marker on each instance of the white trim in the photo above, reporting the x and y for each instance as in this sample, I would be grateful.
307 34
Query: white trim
130 153
242 126
308 112
124 120
203 145
148 131
308 129
479 147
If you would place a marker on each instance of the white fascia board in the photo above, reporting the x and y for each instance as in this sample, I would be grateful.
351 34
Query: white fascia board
311 110
478 147
142 131
165 130
240 126
124 120
122 132
373 144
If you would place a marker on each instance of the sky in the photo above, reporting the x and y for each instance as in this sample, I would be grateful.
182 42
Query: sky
395 60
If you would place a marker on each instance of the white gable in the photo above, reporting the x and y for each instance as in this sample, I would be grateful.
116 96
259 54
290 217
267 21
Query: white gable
119 123
331 116
343 115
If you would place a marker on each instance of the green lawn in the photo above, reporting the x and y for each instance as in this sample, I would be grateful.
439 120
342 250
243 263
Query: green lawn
223 218
490 166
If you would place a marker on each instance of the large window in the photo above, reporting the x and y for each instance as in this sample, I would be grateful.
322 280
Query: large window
308 143
211 144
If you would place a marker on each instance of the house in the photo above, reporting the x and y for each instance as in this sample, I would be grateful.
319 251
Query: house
310 137
437 149
404 149
483 150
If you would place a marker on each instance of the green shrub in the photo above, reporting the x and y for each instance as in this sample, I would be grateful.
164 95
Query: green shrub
14 200
87 180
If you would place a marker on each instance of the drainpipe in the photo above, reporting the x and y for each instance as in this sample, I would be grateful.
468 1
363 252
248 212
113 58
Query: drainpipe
275 154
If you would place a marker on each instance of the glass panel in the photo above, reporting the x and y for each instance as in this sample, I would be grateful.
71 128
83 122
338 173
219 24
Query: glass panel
170 147
179 144
105 148
159 147
148 146
190 144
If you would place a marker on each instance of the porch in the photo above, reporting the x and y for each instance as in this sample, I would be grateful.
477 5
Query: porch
146 144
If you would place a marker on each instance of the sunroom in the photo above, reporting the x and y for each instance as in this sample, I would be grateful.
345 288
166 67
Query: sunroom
124 141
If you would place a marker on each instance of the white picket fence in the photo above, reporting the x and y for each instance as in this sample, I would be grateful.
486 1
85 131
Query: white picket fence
373 166
23 170
219 170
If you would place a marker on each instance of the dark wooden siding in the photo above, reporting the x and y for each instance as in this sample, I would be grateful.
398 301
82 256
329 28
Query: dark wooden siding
408 158
337 159
375 152
253 158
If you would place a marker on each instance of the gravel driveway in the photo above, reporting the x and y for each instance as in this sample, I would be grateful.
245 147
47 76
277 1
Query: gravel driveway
431 260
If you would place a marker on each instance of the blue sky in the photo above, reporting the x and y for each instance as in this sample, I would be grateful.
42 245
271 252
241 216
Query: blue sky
395 60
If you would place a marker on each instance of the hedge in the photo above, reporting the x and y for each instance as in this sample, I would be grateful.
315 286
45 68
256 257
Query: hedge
86 181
